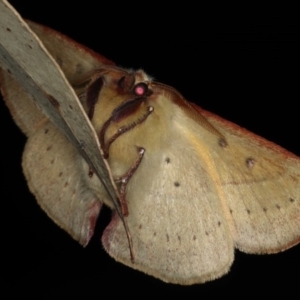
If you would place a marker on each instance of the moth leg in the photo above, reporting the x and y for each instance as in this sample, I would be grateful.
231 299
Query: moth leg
120 131
126 177
105 147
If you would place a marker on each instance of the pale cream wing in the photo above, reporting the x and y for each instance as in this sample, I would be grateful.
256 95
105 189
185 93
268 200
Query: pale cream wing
176 220
53 170
24 111
73 58
261 186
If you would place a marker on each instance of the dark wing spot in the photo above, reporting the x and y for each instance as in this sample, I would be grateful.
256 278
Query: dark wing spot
46 131
60 174
176 184
71 107
8 29
91 173
219 223
52 161
250 162
179 238
154 234
206 233
82 144
140 226
79 68
278 206
231 211
222 142
49 148
264 209
248 211
53 101
167 160
194 237
292 200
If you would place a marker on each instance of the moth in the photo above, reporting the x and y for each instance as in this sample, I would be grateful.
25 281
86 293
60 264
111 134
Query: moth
215 187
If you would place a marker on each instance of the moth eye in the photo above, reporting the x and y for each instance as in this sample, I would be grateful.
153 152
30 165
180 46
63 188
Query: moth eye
140 89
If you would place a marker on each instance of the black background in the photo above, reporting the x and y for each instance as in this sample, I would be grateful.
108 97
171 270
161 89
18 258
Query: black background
244 69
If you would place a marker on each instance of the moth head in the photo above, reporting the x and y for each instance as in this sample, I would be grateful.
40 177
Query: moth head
111 87
114 98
